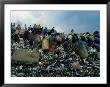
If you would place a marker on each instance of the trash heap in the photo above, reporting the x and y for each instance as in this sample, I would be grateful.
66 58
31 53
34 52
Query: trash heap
41 52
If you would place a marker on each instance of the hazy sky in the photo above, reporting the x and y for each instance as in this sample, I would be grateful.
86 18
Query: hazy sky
63 21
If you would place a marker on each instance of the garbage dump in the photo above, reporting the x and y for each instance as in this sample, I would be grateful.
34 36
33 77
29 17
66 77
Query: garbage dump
41 52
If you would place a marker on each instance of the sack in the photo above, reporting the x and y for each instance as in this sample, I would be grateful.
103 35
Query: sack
22 31
24 55
45 44
83 52
37 38
21 41
58 38
51 48
91 38
76 65
17 31
80 49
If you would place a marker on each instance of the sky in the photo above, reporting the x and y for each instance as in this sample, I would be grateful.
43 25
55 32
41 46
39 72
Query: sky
63 21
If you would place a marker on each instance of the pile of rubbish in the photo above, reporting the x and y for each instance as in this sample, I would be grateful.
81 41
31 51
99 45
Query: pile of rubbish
43 52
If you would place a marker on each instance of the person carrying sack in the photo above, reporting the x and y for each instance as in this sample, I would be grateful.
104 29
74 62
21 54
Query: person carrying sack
52 43
18 29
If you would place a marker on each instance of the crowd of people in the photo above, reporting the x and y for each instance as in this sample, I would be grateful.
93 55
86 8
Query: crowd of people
60 54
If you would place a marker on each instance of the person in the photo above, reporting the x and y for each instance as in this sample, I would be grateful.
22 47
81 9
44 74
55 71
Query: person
96 34
39 26
72 32
58 39
18 28
29 28
30 34
17 33
52 43
52 30
97 40
13 28
39 30
25 27
37 41
74 38
83 40
65 45
45 31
